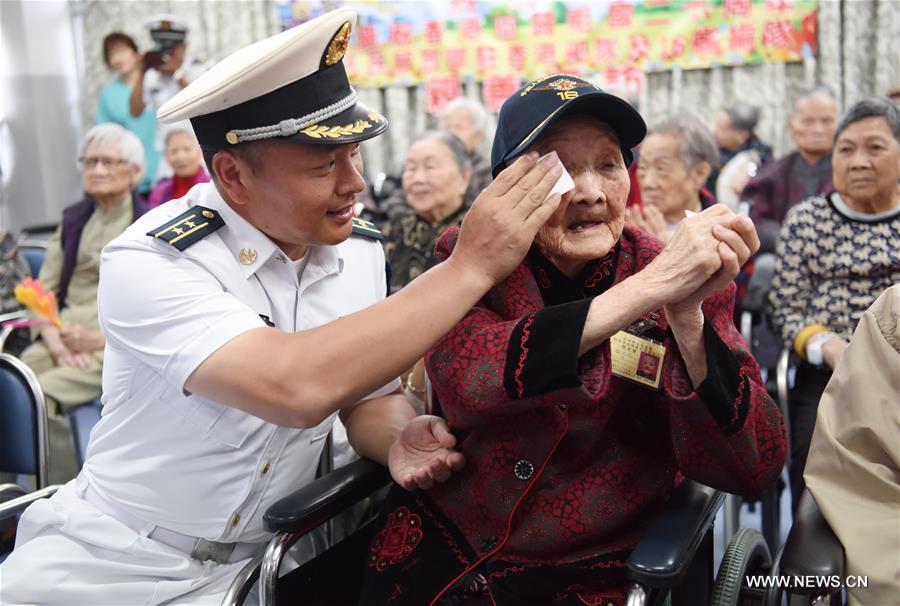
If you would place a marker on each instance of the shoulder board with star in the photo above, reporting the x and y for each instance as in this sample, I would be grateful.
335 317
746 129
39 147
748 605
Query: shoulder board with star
189 227
366 229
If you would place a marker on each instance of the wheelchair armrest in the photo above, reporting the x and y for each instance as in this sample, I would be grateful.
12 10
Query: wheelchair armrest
812 547
667 549
18 504
321 500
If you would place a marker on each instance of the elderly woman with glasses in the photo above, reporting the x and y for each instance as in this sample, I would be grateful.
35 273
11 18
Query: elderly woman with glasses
584 387
68 360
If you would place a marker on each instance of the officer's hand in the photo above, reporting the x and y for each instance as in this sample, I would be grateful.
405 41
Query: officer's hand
174 59
423 454
500 227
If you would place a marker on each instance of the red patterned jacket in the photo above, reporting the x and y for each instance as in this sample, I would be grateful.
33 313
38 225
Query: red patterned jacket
567 464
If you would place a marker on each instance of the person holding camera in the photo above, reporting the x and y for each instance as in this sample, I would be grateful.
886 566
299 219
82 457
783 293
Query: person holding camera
167 70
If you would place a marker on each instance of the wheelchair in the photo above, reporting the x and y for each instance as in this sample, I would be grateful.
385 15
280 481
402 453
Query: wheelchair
23 437
775 363
33 250
673 563
811 550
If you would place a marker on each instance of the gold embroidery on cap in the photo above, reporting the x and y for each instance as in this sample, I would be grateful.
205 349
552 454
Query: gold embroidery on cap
563 84
231 137
247 256
338 45
375 117
333 132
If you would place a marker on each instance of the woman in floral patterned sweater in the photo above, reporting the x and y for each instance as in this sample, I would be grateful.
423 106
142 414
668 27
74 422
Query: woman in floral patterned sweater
835 255
574 430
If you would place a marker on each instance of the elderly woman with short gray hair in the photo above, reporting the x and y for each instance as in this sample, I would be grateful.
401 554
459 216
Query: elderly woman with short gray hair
835 254
676 159
68 360
436 195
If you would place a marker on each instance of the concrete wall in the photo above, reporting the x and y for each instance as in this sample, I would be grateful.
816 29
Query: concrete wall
40 121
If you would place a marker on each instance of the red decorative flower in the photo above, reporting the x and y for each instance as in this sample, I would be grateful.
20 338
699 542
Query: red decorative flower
396 540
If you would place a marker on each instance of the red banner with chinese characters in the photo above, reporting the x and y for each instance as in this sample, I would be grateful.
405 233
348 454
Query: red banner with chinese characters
405 43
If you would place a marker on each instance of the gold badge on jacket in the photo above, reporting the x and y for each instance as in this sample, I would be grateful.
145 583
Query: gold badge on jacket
637 359
247 256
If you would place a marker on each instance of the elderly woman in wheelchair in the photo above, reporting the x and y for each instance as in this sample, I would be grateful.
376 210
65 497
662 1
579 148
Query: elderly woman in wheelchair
573 445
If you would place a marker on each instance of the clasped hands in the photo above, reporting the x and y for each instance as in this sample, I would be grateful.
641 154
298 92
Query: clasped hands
702 257
72 345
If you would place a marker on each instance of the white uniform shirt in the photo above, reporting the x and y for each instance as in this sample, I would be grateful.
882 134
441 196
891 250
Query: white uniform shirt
172 459
180 461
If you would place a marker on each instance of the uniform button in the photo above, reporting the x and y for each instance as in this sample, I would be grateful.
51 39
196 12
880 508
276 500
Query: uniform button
235 519
563 406
265 469
523 469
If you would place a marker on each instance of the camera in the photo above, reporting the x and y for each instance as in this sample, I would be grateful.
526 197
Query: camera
167 33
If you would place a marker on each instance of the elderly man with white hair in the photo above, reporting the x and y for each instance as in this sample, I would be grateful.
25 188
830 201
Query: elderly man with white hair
68 360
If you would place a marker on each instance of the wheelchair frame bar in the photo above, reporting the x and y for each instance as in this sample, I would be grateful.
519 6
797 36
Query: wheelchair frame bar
242 583
637 595
326 466
271 563
14 506
781 380
43 444
5 331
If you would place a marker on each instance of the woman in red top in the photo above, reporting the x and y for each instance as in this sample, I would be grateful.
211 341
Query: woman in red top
186 159
570 450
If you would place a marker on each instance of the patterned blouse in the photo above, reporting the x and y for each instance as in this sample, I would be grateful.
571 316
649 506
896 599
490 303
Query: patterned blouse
409 242
832 263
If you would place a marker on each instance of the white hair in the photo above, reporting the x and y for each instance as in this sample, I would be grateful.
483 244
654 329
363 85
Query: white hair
183 127
129 146
477 113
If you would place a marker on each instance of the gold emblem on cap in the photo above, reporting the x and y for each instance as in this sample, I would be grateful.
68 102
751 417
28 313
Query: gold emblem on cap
231 137
208 214
247 256
563 84
338 45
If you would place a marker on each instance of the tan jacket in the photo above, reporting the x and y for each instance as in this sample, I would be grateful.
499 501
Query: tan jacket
853 469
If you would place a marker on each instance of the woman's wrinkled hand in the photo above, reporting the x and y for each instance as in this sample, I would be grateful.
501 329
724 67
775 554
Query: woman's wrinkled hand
704 254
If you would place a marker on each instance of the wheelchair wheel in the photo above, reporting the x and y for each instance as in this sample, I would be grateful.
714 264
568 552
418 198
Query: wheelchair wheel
774 595
747 554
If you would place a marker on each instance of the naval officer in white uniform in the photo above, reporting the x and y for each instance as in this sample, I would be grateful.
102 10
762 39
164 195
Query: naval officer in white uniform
240 321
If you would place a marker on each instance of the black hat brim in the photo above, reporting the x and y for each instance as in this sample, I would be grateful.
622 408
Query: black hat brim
617 113
355 124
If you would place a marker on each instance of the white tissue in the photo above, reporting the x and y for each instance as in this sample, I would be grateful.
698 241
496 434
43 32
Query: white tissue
563 184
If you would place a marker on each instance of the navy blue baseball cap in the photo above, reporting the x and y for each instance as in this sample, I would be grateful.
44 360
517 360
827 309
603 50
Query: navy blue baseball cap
536 106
